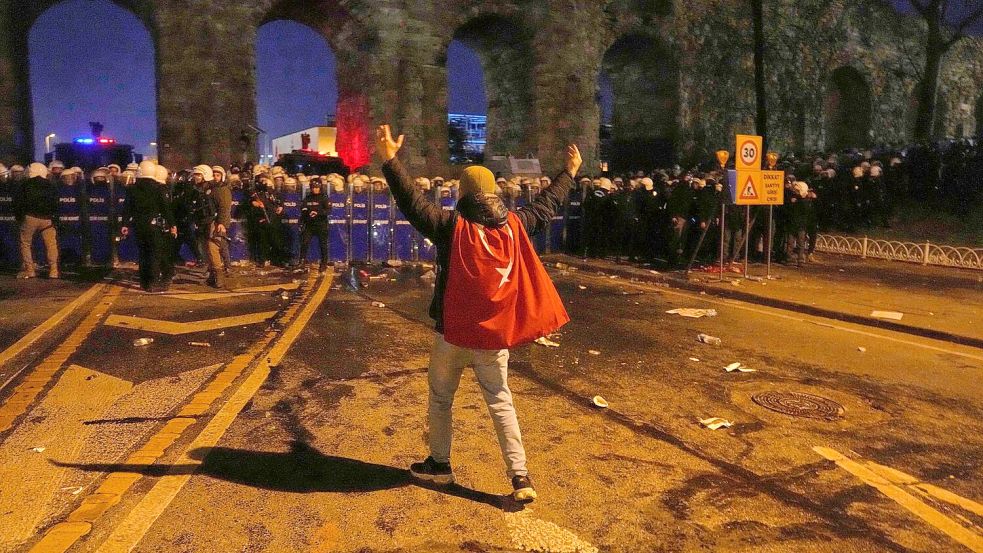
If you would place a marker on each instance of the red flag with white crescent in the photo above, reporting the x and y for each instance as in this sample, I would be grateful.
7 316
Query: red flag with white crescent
498 292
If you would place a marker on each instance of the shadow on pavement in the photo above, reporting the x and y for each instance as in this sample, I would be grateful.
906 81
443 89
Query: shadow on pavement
303 469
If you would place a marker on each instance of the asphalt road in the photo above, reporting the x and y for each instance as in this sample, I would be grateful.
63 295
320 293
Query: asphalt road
313 456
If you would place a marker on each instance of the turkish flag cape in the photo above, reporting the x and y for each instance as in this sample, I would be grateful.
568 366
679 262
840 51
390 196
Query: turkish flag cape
498 294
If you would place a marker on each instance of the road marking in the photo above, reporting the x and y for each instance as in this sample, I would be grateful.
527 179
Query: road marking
175 328
134 527
65 534
901 479
888 487
777 312
36 380
207 296
39 331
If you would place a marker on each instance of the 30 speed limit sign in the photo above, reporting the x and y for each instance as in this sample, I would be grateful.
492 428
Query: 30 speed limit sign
748 153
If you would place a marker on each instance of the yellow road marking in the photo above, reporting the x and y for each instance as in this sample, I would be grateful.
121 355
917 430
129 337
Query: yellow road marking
901 479
887 486
138 521
176 328
39 331
203 296
35 381
270 287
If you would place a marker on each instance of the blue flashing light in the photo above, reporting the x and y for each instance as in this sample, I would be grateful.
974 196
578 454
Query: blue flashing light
85 140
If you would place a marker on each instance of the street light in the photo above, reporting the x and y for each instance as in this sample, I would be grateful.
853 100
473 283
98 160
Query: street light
156 153
47 143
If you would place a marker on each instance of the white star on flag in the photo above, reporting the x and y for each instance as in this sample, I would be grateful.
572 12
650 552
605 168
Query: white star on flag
504 271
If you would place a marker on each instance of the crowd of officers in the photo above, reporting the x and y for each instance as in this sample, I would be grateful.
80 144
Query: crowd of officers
673 215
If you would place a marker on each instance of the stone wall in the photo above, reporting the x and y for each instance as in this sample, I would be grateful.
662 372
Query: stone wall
681 70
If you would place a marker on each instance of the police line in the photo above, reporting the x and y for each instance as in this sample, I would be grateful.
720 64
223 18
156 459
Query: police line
362 227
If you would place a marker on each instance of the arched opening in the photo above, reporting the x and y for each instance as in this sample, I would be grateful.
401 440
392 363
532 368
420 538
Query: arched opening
639 102
848 110
296 90
467 105
92 60
504 50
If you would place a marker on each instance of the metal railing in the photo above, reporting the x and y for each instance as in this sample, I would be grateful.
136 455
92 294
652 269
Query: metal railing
925 253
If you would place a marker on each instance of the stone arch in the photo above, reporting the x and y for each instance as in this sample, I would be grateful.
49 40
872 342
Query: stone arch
848 109
644 81
504 46
18 18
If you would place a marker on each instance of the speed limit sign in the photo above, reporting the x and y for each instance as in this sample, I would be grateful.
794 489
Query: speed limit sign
748 153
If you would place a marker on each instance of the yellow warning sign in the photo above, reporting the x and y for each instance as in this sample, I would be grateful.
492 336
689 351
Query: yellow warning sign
748 153
748 191
757 187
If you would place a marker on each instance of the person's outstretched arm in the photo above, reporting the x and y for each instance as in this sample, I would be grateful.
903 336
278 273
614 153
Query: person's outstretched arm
420 211
538 215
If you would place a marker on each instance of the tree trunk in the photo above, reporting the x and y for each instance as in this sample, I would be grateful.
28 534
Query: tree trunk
928 89
761 118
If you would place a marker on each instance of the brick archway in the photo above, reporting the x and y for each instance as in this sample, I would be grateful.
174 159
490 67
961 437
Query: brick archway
849 103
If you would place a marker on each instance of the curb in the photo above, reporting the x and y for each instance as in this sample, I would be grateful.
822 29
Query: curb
681 283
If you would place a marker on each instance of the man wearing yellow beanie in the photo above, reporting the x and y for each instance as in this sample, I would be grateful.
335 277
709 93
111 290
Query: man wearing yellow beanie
491 293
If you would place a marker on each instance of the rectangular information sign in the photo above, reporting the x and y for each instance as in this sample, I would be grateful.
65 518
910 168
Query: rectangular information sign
756 187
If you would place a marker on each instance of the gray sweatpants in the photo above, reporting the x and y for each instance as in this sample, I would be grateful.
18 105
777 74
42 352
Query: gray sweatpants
447 363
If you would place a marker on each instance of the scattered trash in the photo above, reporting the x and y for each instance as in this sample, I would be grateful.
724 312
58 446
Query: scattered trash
654 272
221 333
562 266
693 313
707 339
593 352
582 287
200 344
613 276
862 349
38 449
429 275
544 341
739 368
735 282
892 315
694 359
599 401
74 489
142 342
378 304
716 423
754 278
284 295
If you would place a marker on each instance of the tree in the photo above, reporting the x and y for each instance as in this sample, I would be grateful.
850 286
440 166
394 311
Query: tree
947 21
761 118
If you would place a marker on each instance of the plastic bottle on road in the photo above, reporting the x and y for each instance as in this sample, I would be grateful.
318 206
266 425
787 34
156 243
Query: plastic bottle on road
142 341
707 339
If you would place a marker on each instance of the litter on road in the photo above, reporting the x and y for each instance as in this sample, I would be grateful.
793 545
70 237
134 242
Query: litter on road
599 401
862 349
378 304
38 449
593 352
200 344
707 339
544 341
891 315
736 366
716 423
142 342
694 359
692 312
582 287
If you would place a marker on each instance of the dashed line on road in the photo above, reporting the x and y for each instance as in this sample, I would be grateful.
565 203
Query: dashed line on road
176 328
65 534
36 380
138 521
53 321
893 487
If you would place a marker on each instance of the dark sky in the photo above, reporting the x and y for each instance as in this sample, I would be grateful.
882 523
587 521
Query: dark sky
115 84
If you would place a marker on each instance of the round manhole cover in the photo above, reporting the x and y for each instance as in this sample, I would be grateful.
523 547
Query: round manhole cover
798 404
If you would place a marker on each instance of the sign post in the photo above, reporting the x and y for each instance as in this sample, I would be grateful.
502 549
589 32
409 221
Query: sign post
722 157
749 185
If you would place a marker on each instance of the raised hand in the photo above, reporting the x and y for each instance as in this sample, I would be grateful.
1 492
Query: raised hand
384 143
574 161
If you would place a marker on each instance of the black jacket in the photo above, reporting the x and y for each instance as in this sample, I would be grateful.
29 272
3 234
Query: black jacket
437 224
146 204
319 204
38 198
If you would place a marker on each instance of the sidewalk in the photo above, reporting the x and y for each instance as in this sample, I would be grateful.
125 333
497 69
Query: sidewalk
936 302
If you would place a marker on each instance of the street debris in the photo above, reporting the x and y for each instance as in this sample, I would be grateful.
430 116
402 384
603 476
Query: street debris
581 286
378 304
562 266
707 339
694 359
862 349
654 272
892 315
142 342
38 449
735 282
200 344
429 275
736 366
716 423
74 489
284 295
221 333
599 401
545 341
593 352
692 312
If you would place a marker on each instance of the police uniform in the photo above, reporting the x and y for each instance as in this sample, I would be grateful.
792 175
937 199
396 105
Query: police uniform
314 211
149 214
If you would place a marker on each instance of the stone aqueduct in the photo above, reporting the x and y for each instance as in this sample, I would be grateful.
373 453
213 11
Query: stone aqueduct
838 71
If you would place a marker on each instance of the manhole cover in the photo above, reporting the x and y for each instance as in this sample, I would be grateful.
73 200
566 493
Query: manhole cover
798 404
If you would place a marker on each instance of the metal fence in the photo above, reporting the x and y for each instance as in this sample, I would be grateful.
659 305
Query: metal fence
925 253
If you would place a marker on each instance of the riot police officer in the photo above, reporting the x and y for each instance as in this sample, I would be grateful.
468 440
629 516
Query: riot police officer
314 211
148 212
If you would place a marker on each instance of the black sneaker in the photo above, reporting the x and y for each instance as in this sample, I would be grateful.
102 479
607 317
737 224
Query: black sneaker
522 489
432 471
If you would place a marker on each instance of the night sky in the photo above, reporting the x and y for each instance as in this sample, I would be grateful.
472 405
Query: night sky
115 84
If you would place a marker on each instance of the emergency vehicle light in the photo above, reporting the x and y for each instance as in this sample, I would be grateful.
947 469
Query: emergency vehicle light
84 140
107 141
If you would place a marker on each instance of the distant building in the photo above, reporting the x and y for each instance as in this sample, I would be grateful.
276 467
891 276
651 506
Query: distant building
474 127
321 140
